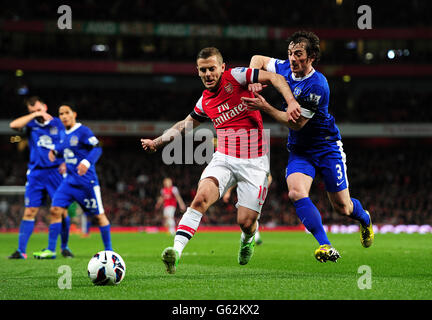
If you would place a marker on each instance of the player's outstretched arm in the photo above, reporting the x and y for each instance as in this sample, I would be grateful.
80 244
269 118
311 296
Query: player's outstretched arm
278 81
169 135
21 122
259 62
260 103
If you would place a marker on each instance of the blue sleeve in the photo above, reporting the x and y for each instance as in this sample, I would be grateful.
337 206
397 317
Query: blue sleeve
316 96
92 143
94 155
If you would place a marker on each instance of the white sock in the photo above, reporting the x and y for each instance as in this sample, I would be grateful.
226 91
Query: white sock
257 235
186 228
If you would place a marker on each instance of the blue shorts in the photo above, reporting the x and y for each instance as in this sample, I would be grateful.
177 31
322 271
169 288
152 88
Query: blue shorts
330 162
88 197
40 183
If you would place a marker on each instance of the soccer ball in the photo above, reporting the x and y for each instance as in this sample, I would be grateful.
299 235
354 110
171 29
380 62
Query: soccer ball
106 268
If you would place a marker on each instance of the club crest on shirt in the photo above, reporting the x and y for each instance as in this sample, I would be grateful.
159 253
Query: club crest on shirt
228 88
297 92
73 141
53 131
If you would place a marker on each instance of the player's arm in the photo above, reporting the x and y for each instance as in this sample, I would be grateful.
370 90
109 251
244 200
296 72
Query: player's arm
259 62
260 103
95 151
279 82
21 122
169 135
158 202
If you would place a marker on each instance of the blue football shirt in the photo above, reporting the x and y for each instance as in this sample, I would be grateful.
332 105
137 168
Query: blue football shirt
42 137
312 93
79 143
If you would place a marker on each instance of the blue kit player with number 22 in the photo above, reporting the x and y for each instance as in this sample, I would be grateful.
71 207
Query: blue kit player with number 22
81 150
314 141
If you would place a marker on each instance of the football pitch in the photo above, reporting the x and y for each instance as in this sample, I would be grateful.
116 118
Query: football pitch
396 267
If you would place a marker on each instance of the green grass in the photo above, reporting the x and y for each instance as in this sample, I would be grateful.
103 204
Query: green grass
283 268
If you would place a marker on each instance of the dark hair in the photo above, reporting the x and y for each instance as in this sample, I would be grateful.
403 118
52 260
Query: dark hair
32 100
312 43
71 105
209 52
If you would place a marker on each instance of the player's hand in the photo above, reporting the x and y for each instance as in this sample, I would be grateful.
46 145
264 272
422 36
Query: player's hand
256 87
257 103
81 169
51 156
45 115
62 168
148 145
183 208
293 111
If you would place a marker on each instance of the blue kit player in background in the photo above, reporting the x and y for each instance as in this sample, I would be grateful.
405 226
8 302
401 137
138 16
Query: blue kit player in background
314 141
80 150
43 176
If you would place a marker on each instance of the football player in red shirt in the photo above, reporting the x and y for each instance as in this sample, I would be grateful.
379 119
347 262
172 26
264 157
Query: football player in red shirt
242 154
169 197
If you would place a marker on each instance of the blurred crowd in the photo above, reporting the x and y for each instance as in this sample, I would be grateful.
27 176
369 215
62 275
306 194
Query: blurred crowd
327 13
392 181
370 105
313 15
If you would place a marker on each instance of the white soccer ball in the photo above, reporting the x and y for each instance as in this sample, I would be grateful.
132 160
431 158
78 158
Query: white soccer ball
106 268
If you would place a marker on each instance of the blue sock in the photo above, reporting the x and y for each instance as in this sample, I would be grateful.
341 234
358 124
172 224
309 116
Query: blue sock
54 231
359 213
311 218
25 231
106 236
64 234
88 226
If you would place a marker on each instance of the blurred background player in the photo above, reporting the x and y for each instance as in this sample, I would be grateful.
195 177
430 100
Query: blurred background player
242 150
80 149
169 197
314 141
43 176
226 197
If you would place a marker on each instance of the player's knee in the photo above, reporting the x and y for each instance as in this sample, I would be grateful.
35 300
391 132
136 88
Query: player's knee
295 195
56 212
30 213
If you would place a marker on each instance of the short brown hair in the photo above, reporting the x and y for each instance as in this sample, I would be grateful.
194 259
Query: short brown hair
32 100
312 43
209 52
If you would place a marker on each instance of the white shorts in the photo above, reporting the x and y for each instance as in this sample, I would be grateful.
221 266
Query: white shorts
168 212
250 175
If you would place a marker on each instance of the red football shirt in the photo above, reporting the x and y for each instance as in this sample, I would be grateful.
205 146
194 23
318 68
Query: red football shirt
168 195
239 130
